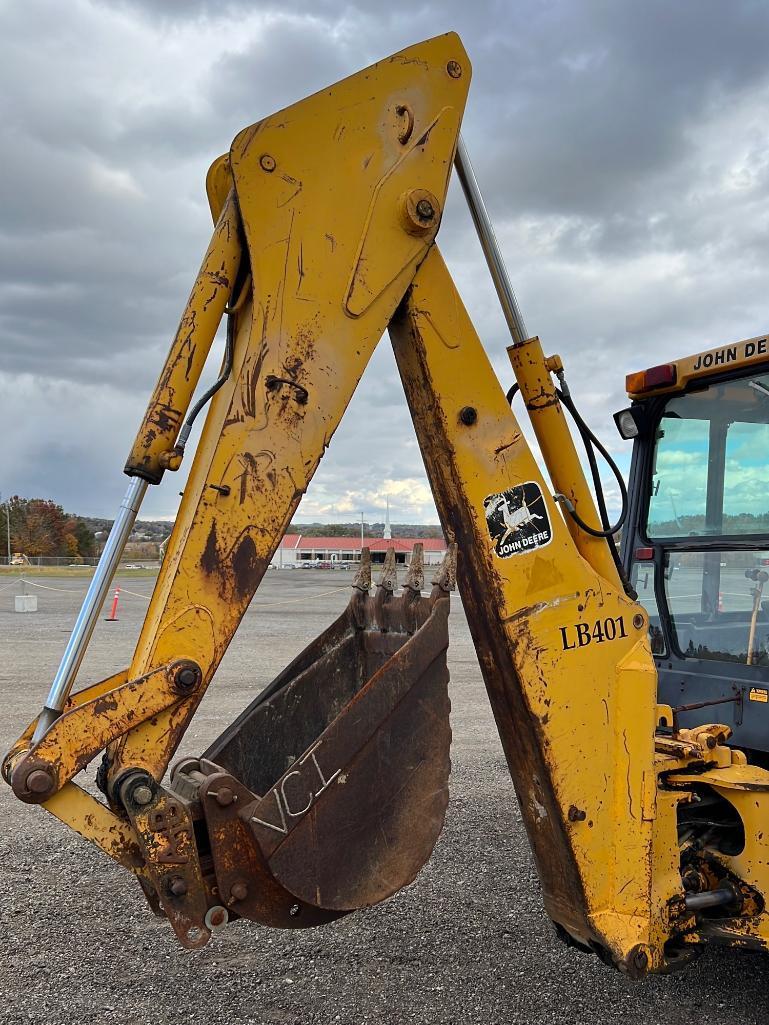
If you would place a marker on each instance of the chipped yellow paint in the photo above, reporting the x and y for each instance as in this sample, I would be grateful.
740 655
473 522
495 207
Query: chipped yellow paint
97 718
312 184
151 453
97 823
577 721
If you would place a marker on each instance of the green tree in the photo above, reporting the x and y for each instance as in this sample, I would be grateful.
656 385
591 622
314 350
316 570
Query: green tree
86 542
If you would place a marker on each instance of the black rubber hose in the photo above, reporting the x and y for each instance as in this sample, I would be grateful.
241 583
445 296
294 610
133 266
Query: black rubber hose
591 442
229 350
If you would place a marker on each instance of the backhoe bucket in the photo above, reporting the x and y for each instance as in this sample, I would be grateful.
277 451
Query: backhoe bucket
328 793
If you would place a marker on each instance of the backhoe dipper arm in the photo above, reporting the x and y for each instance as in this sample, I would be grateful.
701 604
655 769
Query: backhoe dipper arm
324 211
326 217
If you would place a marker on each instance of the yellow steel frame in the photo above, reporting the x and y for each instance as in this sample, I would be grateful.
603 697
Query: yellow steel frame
327 213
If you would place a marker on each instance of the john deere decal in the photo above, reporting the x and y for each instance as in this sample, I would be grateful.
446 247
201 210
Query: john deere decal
517 520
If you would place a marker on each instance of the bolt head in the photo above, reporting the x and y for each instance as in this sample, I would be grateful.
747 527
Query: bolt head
454 68
178 886
641 960
239 891
141 795
638 621
186 676
419 212
425 209
39 782
267 163
224 796
468 415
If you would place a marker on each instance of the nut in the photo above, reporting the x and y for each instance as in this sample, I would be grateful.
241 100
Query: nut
141 795
419 211
468 415
177 886
267 163
186 676
639 622
425 210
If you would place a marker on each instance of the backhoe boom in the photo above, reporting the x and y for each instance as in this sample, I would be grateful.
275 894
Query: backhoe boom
328 793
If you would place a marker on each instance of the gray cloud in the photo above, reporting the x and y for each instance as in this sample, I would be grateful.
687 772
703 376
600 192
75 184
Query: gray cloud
621 147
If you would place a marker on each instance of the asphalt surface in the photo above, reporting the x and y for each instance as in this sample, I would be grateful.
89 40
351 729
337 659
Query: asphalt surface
467 942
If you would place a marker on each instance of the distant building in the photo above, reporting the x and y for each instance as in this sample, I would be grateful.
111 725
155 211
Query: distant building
296 550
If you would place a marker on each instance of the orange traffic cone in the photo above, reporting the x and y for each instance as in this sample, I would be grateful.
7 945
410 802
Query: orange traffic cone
112 617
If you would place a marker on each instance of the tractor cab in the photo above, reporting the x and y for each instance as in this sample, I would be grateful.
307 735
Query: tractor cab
696 547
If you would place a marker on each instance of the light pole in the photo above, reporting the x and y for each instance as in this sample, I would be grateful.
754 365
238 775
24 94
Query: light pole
8 528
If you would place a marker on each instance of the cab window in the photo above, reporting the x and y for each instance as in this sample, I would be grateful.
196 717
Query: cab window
711 462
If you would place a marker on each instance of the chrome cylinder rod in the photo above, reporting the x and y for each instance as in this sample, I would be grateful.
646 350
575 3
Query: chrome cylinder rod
91 607
489 244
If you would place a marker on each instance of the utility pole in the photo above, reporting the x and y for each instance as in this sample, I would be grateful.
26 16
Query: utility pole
361 530
8 528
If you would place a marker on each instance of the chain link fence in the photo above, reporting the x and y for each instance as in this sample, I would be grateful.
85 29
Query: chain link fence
20 561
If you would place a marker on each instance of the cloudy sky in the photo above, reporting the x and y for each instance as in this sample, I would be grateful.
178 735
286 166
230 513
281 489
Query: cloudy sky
622 148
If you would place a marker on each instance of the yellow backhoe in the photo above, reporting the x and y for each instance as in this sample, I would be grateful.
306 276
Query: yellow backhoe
327 794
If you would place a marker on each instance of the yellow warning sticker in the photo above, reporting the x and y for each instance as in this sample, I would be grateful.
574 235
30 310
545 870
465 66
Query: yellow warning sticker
759 694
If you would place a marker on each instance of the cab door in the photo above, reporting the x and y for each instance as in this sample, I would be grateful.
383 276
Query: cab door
697 551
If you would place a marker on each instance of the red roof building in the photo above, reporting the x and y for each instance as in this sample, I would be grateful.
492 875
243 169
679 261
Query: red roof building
298 550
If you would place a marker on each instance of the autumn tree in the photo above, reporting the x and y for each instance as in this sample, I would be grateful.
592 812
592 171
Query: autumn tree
40 527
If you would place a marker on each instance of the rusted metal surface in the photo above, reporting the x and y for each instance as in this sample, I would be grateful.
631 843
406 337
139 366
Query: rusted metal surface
329 792
245 882
96 717
165 831
173 392
482 599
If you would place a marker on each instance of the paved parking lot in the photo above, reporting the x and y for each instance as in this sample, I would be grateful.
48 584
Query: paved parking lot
468 942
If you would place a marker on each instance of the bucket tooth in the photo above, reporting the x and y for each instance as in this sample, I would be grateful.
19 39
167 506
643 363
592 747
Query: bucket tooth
388 579
415 580
361 586
445 580
385 588
362 581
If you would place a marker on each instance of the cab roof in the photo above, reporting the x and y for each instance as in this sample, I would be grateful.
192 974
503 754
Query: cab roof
675 376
